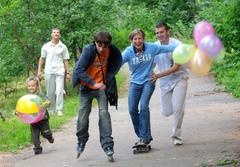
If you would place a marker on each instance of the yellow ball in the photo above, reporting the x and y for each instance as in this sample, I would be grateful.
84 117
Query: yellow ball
29 104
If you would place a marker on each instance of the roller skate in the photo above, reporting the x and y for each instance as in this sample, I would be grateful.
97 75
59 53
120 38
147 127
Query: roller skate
109 152
80 149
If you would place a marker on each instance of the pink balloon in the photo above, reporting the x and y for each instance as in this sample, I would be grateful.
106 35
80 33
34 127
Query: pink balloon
202 29
211 45
31 118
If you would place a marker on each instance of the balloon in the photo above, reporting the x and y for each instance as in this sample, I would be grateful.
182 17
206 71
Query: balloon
220 57
211 45
29 104
31 118
183 53
200 64
202 29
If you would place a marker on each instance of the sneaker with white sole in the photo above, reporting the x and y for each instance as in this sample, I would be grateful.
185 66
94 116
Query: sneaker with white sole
177 141
59 113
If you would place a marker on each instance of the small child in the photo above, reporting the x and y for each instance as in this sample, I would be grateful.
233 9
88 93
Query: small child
42 126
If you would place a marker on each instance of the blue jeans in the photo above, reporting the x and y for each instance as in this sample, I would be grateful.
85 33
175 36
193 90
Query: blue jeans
104 123
140 115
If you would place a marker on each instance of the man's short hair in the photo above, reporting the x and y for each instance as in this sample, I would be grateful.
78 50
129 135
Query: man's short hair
162 24
136 32
103 37
55 29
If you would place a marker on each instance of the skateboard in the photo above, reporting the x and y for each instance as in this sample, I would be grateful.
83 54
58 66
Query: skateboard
141 148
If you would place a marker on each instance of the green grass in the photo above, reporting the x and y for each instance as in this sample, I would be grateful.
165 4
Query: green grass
222 162
230 78
228 162
15 135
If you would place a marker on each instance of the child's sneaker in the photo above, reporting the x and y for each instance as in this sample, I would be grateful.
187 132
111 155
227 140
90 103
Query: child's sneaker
51 140
37 150
80 149
59 113
177 141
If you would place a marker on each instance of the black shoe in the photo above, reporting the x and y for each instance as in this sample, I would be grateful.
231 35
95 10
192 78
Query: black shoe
80 149
37 150
109 151
51 140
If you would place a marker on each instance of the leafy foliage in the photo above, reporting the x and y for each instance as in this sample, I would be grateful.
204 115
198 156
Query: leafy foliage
81 19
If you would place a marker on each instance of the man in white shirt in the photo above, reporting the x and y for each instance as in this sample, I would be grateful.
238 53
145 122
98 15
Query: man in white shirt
55 56
172 81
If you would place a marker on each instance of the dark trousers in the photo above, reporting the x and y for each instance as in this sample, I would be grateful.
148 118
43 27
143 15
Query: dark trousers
104 122
43 128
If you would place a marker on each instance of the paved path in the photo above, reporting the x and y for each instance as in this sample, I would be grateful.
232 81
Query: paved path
211 132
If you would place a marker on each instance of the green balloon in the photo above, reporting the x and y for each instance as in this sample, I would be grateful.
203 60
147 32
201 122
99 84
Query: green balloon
183 53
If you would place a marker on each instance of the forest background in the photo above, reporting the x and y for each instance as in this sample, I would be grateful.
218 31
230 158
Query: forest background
25 26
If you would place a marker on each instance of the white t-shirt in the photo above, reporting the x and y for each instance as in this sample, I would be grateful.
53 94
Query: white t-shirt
54 54
164 61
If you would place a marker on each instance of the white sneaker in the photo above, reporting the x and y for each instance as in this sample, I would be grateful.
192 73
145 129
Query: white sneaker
59 113
177 141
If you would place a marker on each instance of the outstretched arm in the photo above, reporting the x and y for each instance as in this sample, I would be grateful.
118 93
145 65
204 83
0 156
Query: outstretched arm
166 48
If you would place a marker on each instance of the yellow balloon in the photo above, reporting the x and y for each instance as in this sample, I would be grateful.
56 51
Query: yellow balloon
28 104
183 53
200 64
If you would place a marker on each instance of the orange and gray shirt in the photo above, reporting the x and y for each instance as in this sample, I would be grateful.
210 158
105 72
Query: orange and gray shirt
94 70
82 73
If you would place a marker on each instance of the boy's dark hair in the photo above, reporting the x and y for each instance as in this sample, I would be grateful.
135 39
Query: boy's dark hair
103 37
162 24
135 32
